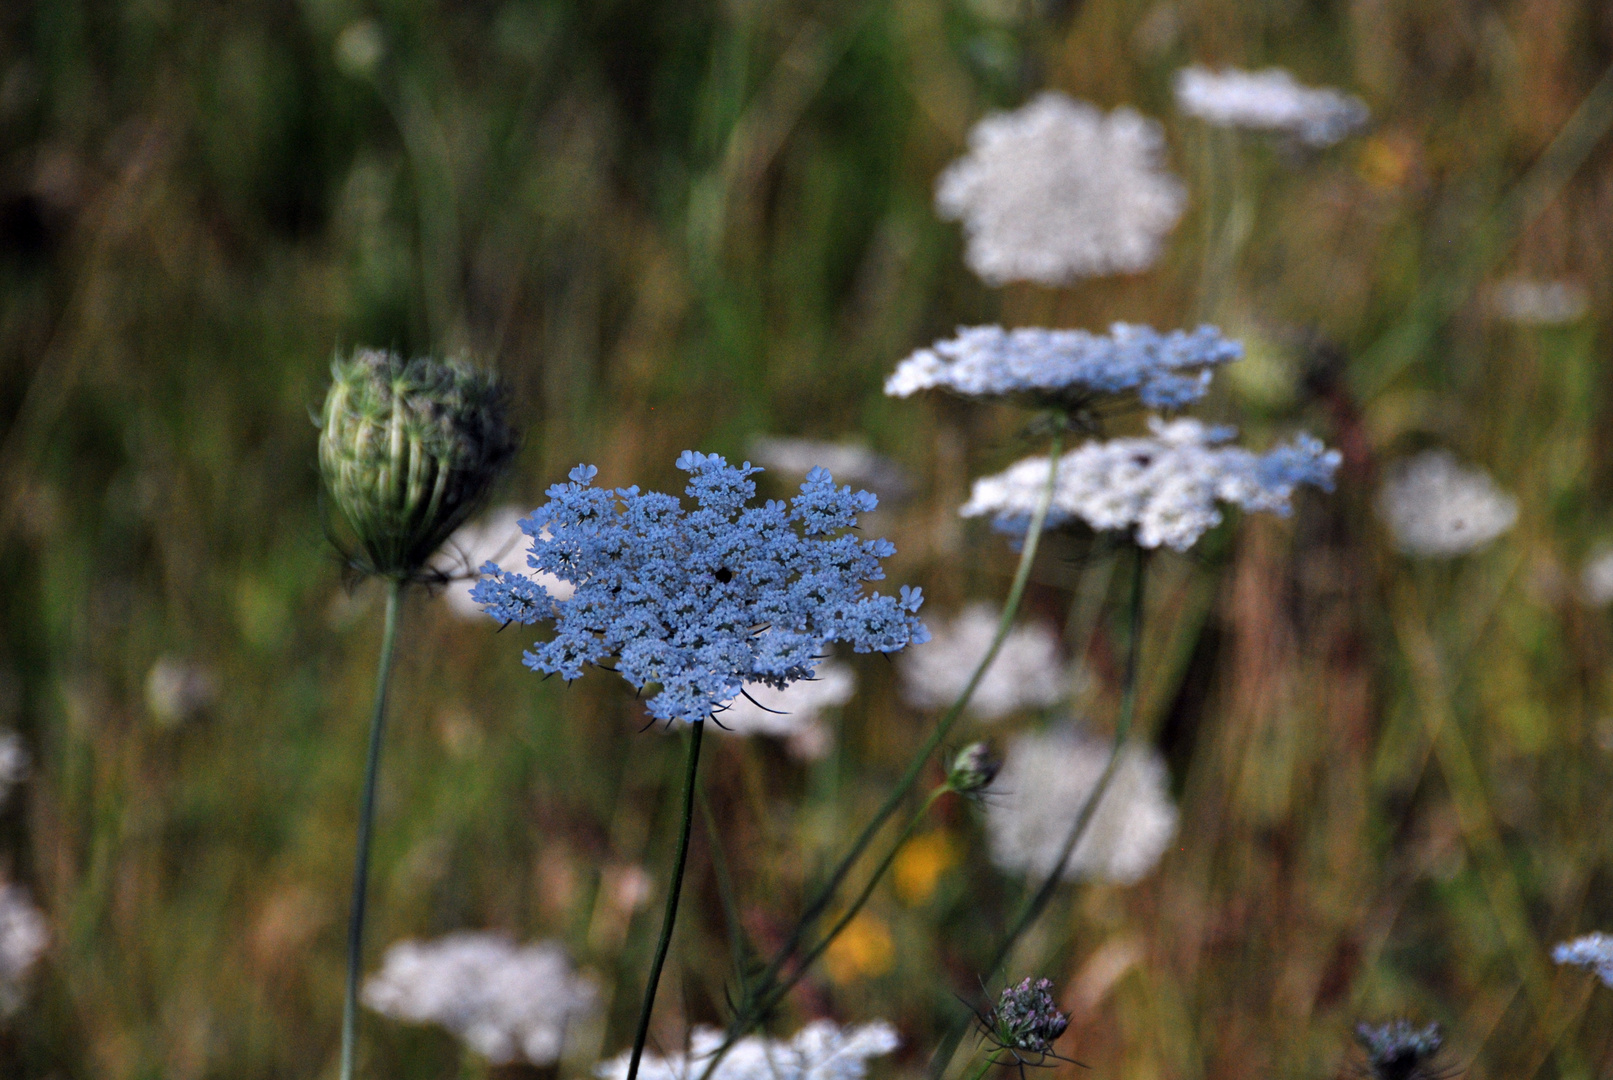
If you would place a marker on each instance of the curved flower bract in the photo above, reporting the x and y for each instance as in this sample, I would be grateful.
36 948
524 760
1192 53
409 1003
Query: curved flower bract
1068 367
696 603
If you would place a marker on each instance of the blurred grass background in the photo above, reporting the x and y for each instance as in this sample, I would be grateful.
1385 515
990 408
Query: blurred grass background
683 225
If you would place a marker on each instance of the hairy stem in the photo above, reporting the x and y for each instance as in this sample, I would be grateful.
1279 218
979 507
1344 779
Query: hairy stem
366 819
1083 820
820 901
673 889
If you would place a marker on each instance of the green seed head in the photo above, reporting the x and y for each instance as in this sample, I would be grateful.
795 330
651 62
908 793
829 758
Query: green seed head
973 769
408 449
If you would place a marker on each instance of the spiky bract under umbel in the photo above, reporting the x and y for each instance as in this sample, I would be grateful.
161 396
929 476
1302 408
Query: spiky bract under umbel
408 449
693 604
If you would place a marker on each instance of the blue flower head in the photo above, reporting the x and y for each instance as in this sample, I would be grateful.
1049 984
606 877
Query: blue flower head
697 602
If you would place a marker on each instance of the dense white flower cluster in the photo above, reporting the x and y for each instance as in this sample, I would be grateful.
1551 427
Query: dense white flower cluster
794 714
1594 951
1057 191
506 1002
13 763
1436 506
821 1050
1540 303
23 937
1269 100
496 538
1027 673
850 463
1068 367
1596 579
1165 486
1045 781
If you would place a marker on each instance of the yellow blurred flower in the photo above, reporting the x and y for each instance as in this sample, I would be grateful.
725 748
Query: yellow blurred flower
864 950
920 865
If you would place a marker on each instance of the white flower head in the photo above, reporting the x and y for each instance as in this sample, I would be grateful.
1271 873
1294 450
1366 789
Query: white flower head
1166 486
1270 100
1540 303
795 713
14 761
496 538
1594 951
1057 191
850 463
23 937
1027 673
1596 579
822 1050
178 691
1436 506
506 1002
1045 781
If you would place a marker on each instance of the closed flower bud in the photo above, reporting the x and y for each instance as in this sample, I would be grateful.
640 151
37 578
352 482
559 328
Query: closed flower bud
1399 1051
973 769
1027 1019
408 449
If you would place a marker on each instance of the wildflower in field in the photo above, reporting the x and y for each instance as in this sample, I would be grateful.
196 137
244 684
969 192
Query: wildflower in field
1027 673
849 462
497 538
1057 191
1399 1050
23 937
1068 369
973 769
1435 506
822 1050
1596 579
14 763
1593 951
1025 1023
920 865
795 713
694 604
1045 781
1270 100
408 449
863 950
506 1002
1163 488
178 691
1540 303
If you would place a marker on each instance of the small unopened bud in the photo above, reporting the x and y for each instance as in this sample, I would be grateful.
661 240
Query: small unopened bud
1399 1051
408 449
1027 1018
973 769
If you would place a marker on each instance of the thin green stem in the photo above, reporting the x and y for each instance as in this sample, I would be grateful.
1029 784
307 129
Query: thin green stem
725 883
985 1067
783 988
1044 893
673 889
366 819
825 894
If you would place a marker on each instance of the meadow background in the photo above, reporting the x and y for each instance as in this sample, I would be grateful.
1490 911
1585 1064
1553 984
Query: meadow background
682 225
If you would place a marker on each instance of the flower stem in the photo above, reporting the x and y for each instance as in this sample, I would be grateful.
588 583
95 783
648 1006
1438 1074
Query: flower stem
673 889
361 861
820 901
1044 893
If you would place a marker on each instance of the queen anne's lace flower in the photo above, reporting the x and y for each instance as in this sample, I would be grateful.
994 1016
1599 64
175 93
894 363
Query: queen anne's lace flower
795 713
1269 100
1165 486
700 602
507 1002
1068 367
1027 673
1540 303
1594 951
23 937
1438 507
1047 779
1057 191
820 1051
1400 1050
